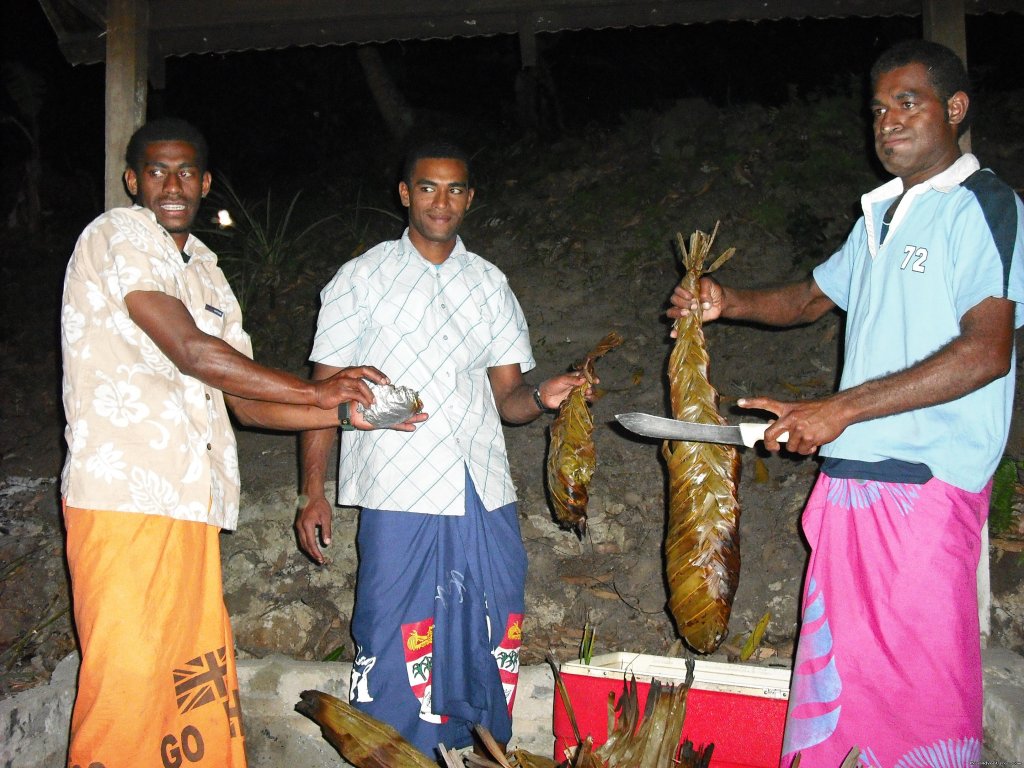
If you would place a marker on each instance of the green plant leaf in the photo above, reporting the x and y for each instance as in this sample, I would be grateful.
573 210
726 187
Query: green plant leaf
336 654
1004 486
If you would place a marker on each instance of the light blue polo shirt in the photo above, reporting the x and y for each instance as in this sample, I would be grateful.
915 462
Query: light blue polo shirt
955 240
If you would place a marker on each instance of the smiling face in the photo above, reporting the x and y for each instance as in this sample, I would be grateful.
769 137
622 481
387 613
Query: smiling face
437 195
915 131
170 183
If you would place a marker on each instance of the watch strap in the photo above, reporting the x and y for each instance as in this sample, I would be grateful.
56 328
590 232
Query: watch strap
345 416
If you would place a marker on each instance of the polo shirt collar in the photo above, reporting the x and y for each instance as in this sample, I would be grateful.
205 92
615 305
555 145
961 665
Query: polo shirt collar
945 181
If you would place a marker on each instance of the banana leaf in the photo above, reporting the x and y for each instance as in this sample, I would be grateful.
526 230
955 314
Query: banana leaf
702 545
634 741
572 457
362 740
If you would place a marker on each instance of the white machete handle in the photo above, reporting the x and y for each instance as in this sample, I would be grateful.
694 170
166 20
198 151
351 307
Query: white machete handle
751 432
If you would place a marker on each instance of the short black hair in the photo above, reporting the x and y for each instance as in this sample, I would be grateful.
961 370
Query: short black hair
165 129
435 149
946 72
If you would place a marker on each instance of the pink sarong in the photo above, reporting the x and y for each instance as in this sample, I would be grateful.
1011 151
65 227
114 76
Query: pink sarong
889 657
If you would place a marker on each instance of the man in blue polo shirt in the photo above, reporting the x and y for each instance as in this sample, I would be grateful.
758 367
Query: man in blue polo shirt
888 658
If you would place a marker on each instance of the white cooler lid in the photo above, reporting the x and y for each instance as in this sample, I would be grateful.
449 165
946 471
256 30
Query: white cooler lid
747 679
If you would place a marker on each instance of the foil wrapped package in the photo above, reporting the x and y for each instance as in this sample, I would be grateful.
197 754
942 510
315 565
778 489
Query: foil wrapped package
391 405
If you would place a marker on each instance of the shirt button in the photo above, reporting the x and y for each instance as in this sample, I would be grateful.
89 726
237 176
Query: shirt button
445 337
209 447
207 395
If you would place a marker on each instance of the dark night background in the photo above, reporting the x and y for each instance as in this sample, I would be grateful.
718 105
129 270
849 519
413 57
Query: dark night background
643 133
301 117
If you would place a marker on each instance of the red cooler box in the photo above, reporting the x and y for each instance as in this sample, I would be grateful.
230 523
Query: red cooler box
740 708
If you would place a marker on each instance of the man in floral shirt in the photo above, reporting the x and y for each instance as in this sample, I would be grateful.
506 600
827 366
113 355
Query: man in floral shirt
154 354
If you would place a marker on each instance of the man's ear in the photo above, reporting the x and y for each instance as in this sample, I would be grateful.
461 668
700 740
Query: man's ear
207 181
957 106
403 193
131 181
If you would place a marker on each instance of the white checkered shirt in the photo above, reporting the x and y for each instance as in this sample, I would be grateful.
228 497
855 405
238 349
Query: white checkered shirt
436 329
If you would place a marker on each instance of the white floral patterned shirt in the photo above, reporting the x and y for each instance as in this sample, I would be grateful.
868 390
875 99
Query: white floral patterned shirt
142 436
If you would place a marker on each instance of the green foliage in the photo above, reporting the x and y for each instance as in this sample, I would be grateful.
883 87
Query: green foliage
1004 489
587 645
264 247
336 655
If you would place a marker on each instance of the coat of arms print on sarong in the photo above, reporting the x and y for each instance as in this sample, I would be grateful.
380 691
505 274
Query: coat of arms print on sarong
418 644
506 655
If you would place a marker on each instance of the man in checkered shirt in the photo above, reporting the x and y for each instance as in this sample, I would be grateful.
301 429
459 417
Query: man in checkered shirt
440 594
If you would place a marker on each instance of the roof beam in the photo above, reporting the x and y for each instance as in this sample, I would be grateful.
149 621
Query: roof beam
206 26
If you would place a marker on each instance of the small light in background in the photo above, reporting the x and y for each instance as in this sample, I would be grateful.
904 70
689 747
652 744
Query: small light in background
224 219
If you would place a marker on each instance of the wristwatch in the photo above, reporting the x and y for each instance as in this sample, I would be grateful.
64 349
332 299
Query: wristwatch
540 403
344 418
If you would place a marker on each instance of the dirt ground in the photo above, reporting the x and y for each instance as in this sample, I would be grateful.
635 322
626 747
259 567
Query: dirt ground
584 226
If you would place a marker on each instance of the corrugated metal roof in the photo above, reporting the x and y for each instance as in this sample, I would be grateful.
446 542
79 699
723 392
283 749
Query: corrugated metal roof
207 26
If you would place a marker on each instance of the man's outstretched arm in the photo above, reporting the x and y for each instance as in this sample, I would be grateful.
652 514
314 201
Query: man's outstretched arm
216 363
979 355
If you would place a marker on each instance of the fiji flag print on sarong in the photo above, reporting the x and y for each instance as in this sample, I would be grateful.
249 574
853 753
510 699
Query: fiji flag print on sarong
418 644
507 657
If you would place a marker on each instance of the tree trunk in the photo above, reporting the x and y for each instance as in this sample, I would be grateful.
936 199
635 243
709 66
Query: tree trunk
397 114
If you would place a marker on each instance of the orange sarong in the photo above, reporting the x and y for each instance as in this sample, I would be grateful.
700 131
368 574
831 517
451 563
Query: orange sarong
158 686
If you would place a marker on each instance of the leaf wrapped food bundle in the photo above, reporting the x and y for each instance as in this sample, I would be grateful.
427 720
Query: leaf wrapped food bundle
702 545
572 457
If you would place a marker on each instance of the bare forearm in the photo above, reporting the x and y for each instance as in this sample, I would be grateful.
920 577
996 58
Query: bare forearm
281 416
210 359
792 304
959 368
219 365
314 451
979 355
515 397
518 405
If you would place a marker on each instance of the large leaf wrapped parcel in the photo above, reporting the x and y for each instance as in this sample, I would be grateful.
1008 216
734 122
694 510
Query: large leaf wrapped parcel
702 544
361 739
571 455
365 742
648 739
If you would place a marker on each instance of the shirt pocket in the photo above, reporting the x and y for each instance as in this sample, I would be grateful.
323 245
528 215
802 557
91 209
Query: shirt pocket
398 317
470 325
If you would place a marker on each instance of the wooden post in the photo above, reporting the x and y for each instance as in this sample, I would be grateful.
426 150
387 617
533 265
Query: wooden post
944 21
127 46
527 44
526 78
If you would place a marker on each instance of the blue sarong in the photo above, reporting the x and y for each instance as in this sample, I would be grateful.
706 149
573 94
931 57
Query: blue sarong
438 621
